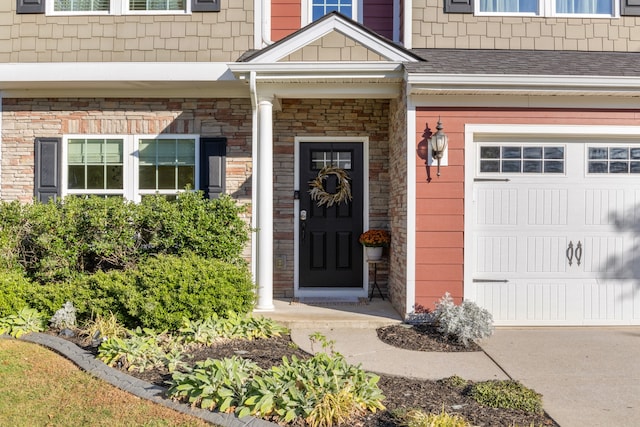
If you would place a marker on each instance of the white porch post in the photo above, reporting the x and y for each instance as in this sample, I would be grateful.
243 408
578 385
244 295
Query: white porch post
265 206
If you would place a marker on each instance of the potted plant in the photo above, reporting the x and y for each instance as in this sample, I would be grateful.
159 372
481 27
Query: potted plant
374 241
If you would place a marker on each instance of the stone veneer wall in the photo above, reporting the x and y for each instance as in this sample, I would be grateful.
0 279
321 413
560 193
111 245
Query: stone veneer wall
398 204
432 28
23 120
325 118
198 37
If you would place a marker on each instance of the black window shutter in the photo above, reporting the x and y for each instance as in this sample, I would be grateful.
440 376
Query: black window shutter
47 169
205 5
213 154
30 6
630 7
458 6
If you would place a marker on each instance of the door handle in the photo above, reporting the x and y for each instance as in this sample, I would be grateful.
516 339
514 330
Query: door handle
303 224
569 253
579 252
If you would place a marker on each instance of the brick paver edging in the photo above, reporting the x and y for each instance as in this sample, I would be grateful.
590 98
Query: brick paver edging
87 362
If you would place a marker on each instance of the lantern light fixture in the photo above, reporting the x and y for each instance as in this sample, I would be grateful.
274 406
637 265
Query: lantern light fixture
439 141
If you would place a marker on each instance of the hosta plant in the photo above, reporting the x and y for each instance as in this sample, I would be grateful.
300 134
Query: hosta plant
25 321
140 351
465 323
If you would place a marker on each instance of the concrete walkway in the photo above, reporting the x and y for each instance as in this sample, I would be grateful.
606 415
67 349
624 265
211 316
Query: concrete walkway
588 376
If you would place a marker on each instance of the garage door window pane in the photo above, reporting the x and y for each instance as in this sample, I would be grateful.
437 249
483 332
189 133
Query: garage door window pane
554 152
511 152
613 160
521 159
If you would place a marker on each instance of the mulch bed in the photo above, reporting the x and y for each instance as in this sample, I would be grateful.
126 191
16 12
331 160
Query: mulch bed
400 393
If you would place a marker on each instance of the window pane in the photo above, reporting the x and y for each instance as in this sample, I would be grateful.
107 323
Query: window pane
532 152
186 176
635 167
156 5
585 6
598 153
147 151
553 167
554 152
147 177
319 8
166 151
81 5
114 178
95 178
635 153
511 152
532 166
490 166
512 6
166 178
598 167
489 152
618 153
618 167
511 166
76 178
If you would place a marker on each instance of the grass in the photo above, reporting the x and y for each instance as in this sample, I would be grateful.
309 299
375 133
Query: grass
39 387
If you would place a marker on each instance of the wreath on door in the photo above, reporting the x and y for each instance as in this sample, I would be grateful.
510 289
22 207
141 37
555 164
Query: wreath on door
343 188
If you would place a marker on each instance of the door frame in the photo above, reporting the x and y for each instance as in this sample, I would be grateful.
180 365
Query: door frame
359 292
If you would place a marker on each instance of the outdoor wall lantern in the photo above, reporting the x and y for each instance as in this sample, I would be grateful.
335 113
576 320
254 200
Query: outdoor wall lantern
438 143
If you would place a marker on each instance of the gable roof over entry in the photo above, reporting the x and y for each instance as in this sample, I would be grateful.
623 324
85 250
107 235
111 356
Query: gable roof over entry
332 57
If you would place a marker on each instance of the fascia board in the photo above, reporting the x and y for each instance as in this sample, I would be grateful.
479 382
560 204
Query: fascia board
319 70
421 83
114 72
288 46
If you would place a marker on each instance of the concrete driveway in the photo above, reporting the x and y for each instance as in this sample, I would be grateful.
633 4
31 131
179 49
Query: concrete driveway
588 376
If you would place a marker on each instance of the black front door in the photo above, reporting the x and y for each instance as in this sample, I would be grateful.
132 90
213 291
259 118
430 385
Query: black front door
329 254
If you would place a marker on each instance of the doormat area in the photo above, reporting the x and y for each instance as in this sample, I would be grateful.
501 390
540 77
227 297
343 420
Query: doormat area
327 302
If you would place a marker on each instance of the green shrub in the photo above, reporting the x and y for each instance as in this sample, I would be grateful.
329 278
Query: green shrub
210 228
15 290
189 286
11 230
506 394
56 241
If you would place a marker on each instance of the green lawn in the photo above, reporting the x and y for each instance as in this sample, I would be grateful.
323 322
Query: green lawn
41 388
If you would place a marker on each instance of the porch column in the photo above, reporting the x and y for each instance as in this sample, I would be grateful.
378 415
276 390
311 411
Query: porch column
265 206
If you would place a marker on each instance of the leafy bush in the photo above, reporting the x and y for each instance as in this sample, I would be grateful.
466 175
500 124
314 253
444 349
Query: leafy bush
215 384
465 322
15 290
208 331
139 352
506 394
210 228
57 241
189 286
27 320
322 390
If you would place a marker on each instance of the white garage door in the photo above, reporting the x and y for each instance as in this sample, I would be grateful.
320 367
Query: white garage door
555 232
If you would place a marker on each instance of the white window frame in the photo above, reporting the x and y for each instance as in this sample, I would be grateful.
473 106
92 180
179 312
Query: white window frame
120 7
307 11
547 9
130 164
